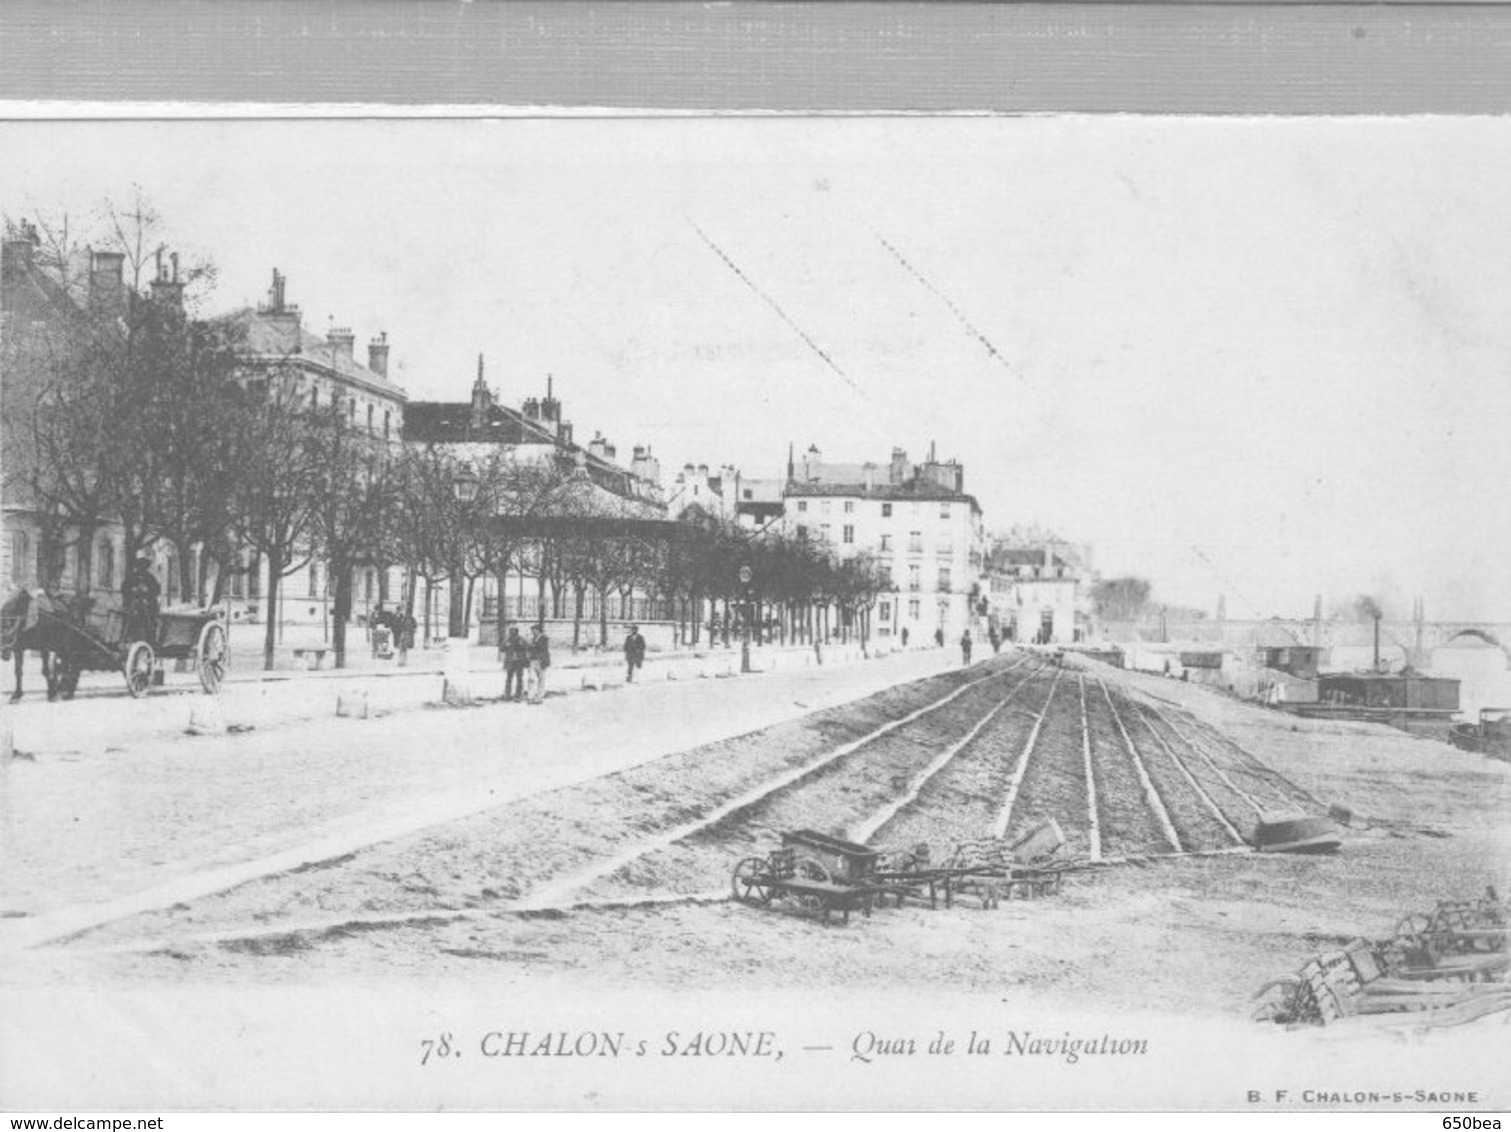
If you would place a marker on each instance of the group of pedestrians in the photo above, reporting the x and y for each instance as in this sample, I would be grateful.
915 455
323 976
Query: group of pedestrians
520 657
533 657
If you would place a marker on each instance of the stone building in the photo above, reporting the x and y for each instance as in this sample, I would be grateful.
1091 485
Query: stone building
916 521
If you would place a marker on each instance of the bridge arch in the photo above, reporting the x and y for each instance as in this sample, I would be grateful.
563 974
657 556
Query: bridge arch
1479 634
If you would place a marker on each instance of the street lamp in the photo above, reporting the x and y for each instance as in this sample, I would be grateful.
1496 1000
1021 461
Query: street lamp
464 485
745 576
456 688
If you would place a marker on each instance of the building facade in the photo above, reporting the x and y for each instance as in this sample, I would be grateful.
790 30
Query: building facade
915 521
594 483
1035 594
325 373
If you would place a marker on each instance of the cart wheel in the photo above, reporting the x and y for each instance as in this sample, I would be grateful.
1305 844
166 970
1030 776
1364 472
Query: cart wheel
806 868
140 664
749 882
211 656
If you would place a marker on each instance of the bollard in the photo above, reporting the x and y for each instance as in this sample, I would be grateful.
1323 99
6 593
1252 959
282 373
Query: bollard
352 705
205 717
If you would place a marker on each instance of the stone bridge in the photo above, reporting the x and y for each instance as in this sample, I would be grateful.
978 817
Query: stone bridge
1417 638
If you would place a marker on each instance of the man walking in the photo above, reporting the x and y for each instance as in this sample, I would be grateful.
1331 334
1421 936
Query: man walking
516 660
141 594
995 638
634 653
540 660
965 647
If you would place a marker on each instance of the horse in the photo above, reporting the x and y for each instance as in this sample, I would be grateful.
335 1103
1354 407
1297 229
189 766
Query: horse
22 630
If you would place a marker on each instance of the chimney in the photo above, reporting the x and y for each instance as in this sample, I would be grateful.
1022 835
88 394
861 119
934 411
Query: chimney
646 466
1317 621
532 409
18 252
106 284
166 286
703 471
377 355
564 432
1377 640
482 400
811 462
550 407
277 308
870 476
687 472
598 446
898 473
341 340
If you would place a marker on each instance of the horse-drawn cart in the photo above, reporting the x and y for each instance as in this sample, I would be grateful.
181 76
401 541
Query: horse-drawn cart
79 636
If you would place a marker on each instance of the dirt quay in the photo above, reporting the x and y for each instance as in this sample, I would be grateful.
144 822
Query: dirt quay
494 858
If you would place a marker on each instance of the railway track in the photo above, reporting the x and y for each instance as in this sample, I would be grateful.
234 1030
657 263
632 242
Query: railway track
1130 783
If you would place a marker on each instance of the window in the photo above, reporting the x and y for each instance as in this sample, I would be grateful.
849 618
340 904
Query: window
802 506
885 613
886 542
351 409
802 531
913 609
20 553
915 542
849 533
944 548
314 579
944 510
254 577
749 494
823 530
915 575
105 564
823 507
369 418
385 424
314 396
944 579
886 510
944 612
849 506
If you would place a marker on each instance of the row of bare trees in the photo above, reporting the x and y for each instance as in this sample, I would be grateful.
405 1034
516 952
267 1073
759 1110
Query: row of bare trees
123 410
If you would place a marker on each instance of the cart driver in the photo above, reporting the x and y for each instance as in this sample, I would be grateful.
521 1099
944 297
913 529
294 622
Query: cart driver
140 598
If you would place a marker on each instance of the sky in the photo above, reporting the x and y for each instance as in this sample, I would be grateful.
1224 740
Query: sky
1259 358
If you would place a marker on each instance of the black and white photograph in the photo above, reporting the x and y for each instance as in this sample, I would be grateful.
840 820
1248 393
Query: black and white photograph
672 611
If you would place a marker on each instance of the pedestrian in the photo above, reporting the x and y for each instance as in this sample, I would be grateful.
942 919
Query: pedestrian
939 638
141 594
516 660
406 627
995 638
381 633
540 660
965 647
905 636
634 653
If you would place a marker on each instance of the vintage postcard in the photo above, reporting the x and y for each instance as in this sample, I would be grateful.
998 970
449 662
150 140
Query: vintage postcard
633 611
